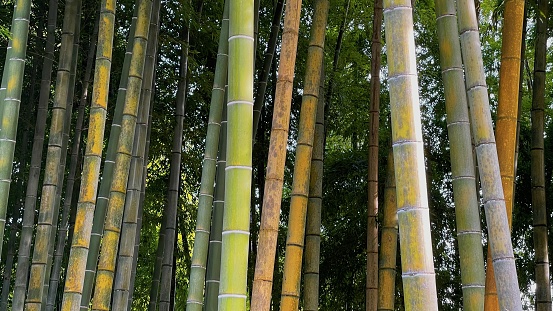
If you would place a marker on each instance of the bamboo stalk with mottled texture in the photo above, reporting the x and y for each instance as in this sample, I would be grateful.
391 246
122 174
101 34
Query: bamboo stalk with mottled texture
467 209
499 235
92 159
47 216
274 179
300 185
419 281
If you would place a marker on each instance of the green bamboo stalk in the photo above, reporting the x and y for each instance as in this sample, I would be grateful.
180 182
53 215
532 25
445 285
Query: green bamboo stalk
107 173
132 204
54 155
236 222
24 250
314 209
488 165
267 64
543 284
75 148
118 188
300 185
92 160
63 160
156 277
167 274
141 206
388 246
469 233
272 198
216 237
419 282
194 301
371 295
13 75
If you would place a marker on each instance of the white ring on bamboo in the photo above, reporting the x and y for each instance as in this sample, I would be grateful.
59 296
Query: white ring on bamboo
240 36
238 167
232 296
235 232
234 102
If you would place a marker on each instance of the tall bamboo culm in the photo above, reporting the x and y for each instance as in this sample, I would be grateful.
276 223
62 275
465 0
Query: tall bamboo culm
125 261
371 291
71 177
28 221
195 297
499 235
300 185
107 171
238 172
11 98
213 272
388 246
467 209
506 125
543 285
274 179
91 165
314 210
51 183
167 277
419 281
118 188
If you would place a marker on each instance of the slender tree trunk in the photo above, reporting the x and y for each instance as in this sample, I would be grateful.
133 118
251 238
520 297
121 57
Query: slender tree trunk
267 63
10 96
314 209
388 248
195 298
300 185
91 165
337 50
51 183
371 294
238 175
493 197
507 121
467 209
543 284
270 212
419 282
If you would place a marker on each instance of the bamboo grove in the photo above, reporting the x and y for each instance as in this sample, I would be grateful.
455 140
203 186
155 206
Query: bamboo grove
275 155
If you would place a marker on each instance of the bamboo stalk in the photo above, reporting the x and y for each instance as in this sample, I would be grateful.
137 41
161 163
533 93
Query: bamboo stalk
300 185
488 165
91 165
195 299
270 215
419 281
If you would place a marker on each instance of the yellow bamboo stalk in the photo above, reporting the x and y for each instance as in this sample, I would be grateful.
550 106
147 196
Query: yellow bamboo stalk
92 160
506 125
274 179
300 185
388 246
118 188
419 281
